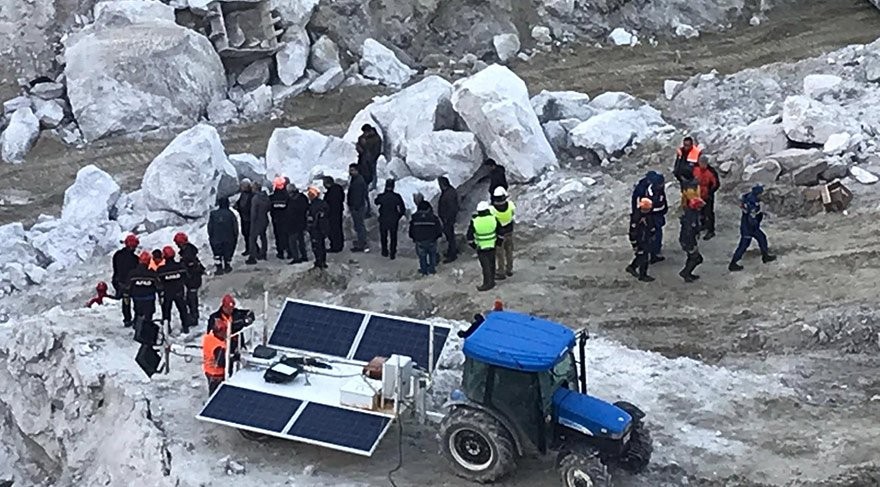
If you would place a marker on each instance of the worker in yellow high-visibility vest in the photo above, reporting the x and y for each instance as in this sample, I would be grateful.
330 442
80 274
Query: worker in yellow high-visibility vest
482 235
503 210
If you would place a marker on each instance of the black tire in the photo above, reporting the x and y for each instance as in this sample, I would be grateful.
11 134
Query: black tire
637 453
253 436
582 467
477 447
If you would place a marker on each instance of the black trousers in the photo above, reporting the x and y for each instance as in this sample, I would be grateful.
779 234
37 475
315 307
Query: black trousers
246 235
641 261
451 244
319 248
192 305
126 303
213 383
707 215
388 236
297 245
258 245
178 301
487 264
282 237
336 234
693 260
144 309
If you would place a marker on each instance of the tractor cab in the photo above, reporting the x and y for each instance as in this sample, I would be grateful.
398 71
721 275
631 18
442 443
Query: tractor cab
523 383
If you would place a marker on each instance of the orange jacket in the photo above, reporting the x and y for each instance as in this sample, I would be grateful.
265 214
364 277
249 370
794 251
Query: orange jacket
154 266
693 156
707 179
210 344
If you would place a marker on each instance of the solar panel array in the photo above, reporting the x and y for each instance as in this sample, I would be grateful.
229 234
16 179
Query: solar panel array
386 336
333 427
320 329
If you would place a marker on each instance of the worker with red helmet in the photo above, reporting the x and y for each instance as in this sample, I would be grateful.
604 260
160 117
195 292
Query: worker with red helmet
226 321
642 232
143 286
189 258
172 280
690 230
124 261
101 290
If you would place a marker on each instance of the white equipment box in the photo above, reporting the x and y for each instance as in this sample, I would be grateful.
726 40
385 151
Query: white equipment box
361 392
396 365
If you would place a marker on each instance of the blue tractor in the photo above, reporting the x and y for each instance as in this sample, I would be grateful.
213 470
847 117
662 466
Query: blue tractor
524 393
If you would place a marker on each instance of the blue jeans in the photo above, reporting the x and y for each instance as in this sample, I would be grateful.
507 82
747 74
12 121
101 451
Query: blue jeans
745 241
427 252
360 230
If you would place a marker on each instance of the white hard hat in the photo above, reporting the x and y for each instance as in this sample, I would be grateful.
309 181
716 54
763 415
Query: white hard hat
500 192
483 206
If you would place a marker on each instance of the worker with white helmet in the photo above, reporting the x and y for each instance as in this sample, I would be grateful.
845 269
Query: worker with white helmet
503 210
483 236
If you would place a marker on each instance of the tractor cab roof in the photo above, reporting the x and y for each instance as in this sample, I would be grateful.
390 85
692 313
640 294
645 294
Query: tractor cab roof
519 342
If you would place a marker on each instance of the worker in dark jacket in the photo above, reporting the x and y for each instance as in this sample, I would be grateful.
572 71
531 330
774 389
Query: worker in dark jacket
482 235
424 229
335 199
391 210
243 207
750 227
124 261
642 231
189 257
447 210
357 199
297 217
318 224
369 148
652 187
279 201
172 281
225 322
497 176
142 288
222 235
686 158
709 183
690 230
260 206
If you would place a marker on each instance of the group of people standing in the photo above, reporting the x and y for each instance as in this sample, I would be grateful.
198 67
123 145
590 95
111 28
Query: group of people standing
699 182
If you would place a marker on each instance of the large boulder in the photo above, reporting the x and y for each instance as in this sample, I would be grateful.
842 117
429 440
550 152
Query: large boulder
249 166
808 121
616 100
609 133
381 64
495 105
294 152
808 174
50 113
506 46
295 13
125 12
328 81
90 198
408 186
65 245
19 136
818 85
294 56
140 77
324 55
793 159
456 155
763 172
764 137
15 245
560 105
187 177
255 74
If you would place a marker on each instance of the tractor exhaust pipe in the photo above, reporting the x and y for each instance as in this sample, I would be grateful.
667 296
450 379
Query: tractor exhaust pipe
583 336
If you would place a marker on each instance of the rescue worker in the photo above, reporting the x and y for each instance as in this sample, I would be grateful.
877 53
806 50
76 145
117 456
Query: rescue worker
101 290
258 246
709 183
750 227
424 230
690 230
157 261
686 157
124 261
297 217
357 197
391 210
497 176
222 236
652 187
642 231
318 225
235 319
335 199
214 355
142 289
369 148
447 210
243 207
279 201
172 282
503 210
482 235
189 257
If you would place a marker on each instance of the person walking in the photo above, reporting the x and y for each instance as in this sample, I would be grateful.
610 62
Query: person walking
189 257
318 225
424 230
503 210
642 232
124 261
222 236
709 183
335 199
172 280
482 235
391 210
357 199
297 217
750 228
243 207
690 230
260 206
447 210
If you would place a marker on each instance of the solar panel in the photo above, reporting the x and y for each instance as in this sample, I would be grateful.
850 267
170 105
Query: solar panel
339 427
244 407
385 336
315 328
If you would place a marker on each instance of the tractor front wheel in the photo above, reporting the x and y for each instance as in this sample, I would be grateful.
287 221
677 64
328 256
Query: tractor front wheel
582 467
476 445
637 453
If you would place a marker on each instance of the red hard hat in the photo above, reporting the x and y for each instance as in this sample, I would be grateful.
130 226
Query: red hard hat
131 241
101 287
145 257
696 203
228 300
180 238
168 252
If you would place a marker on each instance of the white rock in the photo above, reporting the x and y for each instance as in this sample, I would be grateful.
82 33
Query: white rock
765 172
280 93
47 91
408 186
610 132
35 274
557 133
792 159
541 34
809 173
222 112
186 177
837 143
456 155
293 152
562 8
863 176
506 46
295 12
256 103
89 199
328 81
14 273
616 100
496 107
670 88
254 74
381 64
67 245
324 55
755 21
294 56
17 103
249 166
621 37
818 85
19 136
50 113
872 66
559 105
125 12
808 121
15 245
765 138
129 79
687 31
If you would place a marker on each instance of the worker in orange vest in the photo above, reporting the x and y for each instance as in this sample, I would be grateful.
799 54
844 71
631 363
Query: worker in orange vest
157 261
214 353
686 157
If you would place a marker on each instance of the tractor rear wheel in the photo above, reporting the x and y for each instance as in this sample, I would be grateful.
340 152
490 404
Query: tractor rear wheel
637 453
476 445
582 467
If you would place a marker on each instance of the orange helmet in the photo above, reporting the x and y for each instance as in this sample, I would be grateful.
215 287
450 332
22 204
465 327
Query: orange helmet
696 203
645 204
145 258
279 182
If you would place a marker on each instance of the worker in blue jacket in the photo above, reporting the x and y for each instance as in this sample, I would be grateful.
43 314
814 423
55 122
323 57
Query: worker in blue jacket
750 227
652 187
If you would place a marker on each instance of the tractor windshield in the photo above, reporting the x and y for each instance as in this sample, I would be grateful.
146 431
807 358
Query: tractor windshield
563 374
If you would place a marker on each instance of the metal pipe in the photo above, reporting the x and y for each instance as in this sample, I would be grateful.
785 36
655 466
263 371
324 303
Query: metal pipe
430 348
227 354
265 317
397 394
582 350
